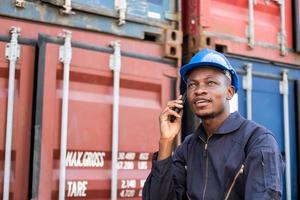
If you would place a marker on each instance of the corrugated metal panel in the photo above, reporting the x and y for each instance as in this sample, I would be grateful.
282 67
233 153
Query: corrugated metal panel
145 88
146 79
143 11
227 26
144 19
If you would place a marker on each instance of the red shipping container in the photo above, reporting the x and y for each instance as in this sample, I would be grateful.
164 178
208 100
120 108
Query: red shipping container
147 82
231 27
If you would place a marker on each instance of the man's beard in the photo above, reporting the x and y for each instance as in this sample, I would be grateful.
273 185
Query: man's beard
211 115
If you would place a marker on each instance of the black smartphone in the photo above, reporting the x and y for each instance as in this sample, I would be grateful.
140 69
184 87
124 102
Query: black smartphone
172 117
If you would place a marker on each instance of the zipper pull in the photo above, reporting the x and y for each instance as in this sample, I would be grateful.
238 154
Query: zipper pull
205 150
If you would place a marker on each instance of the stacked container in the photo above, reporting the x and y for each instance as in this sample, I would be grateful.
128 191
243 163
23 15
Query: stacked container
82 85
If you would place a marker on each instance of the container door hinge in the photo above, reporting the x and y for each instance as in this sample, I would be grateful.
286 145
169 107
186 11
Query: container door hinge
281 36
67 8
173 41
12 53
20 3
115 58
121 7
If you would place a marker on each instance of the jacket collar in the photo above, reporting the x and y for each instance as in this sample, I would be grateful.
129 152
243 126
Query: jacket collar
230 124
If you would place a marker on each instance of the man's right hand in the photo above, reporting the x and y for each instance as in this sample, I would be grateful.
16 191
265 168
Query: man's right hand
168 129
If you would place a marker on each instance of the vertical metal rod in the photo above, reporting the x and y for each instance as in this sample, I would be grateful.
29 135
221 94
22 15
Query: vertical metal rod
12 53
247 85
282 34
251 24
65 57
285 92
115 65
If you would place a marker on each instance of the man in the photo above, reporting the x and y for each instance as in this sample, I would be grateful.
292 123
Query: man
228 157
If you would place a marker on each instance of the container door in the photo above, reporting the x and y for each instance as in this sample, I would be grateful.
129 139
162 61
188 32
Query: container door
144 89
21 123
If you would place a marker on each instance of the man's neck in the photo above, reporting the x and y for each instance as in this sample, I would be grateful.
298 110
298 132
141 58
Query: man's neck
212 124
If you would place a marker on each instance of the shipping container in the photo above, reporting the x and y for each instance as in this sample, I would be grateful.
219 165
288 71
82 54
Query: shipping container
70 147
16 93
143 19
258 29
262 97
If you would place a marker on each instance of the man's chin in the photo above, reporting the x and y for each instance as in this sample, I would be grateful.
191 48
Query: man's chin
206 115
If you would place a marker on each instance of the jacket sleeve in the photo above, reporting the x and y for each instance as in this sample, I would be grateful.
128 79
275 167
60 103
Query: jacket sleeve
263 169
167 179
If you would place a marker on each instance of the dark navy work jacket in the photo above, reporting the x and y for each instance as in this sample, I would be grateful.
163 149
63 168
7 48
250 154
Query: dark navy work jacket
241 160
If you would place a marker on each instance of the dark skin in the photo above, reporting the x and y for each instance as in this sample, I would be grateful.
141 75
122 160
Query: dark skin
208 95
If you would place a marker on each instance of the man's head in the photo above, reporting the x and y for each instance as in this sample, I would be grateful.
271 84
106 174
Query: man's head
211 83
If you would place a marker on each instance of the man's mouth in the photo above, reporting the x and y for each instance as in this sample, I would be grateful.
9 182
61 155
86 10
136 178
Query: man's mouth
200 102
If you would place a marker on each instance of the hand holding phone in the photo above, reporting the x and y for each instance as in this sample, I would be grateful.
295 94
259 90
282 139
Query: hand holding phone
176 109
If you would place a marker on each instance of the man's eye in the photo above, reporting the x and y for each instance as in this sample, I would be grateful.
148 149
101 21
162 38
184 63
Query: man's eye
211 83
192 85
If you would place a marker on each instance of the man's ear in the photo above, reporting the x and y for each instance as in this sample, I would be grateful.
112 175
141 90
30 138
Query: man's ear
230 92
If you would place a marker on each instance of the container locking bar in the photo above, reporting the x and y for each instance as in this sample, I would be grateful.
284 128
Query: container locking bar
65 56
121 7
115 65
284 90
67 8
281 37
247 85
250 27
12 53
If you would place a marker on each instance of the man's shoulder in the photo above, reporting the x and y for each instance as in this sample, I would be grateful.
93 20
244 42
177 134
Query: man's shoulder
259 136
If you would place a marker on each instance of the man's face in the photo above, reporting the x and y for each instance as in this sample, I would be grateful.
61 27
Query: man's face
208 92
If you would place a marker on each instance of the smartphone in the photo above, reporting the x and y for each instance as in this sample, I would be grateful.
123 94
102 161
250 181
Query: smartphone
172 117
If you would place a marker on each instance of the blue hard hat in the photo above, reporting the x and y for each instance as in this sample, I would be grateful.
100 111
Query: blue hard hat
210 58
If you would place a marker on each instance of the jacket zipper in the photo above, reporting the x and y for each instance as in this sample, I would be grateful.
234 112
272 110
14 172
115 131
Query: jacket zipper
206 169
241 171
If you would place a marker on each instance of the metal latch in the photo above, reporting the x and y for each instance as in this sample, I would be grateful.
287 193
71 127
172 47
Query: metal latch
115 58
65 51
12 50
20 3
120 7
284 84
247 80
67 8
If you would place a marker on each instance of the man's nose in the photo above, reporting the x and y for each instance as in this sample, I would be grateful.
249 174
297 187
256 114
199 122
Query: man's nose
200 89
